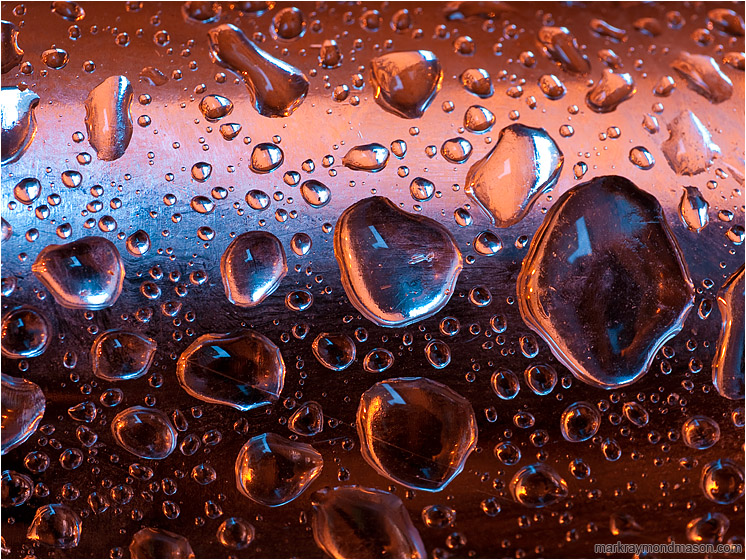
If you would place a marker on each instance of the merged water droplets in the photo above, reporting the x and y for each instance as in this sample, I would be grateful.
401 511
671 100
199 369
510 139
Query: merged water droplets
252 268
704 76
159 543
562 47
611 90
405 83
357 522
23 405
276 88
18 121
538 486
367 157
144 432
243 370
693 209
524 164
55 525
608 238
689 148
12 54
728 365
25 333
83 274
108 119
273 471
397 268
118 355
416 431
335 351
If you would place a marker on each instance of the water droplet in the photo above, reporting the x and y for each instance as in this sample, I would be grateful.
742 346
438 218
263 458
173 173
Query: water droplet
689 148
600 237
641 157
384 419
257 199
357 522
728 365
12 54
266 157
201 171
636 413
299 300
540 378
23 405
71 11
27 190
159 543
551 86
727 21
108 119
230 130
273 471
562 47
611 90
252 268
215 107
56 59
397 268
700 432
538 486
693 209
722 481
710 528
235 534
308 420
138 243
83 274
421 189
580 421
16 488
704 76
18 121
735 60
368 157
118 355
524 164
505 384
438 353
335 351
243 370
405 83
605 29
276 88
145 432
477 81
288 24
330 55
315 193
456 150
25 333
378 360
478 119
301 244
55 525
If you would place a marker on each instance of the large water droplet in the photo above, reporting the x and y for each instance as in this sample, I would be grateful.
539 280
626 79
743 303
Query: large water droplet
368 157
641 157
689 148
71 11
580 421
215 107
12 54
23 405
357 522
704 76
693 209
236 534
18 121
266 157
540 378
308 420
335 351
16 488
397 268
243 370
276 88
700 432
138 243
25 333
728 365
727 21
477 81
610 91
562 47
55 525
487 243
315 193
723 481
27 190
456 150
273 471
608 238
252 268
709 528
56 59
145 432
524 164
288 24
416 432
108 119
405 83
158 543
118 355
538 486
478 119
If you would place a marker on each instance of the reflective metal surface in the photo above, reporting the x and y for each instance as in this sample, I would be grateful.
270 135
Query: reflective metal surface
174 196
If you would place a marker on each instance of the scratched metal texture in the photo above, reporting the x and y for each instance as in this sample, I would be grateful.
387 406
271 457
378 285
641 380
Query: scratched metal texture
654 488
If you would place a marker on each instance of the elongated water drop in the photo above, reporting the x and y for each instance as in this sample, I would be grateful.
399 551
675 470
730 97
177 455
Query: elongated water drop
23 405
610 91
704 76
276 88
158 543
308 420
689 148
538 486
368 157
405 83
18 121
335 351
315 193
693 209
252 268
108 119
12 54
562 47
119 355
728 365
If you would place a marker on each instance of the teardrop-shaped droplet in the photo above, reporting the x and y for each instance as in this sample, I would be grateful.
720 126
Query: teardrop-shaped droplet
477 81
693 209
610 91
56 59
230 130
276 88
704 76
315 193
266 157
138 243
562 47
150 543
55 525
641 157
27 190
144 432
307 420
108 119
478 119
367 157
25 333
524 164
357 522
609 238
243 370
689 148
397 268
273 471
487 243
405 83
392 419
201 171
636 413
728 365
537 486
215 107
335 351
118 355
252 268
23 405
12 54
83 274
18 121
